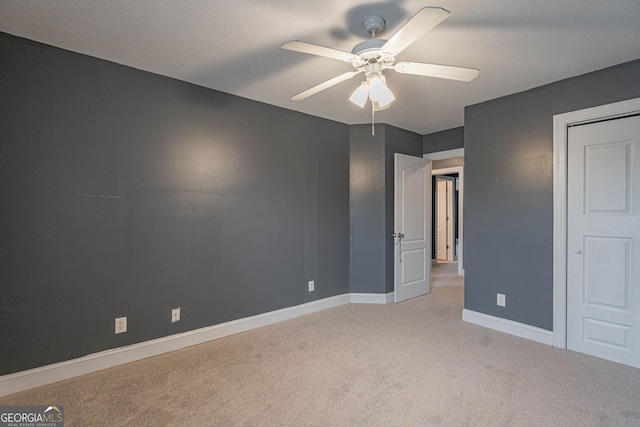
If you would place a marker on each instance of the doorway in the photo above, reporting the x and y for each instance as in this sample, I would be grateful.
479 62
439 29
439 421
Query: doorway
447 182
445 217
585 295
451 163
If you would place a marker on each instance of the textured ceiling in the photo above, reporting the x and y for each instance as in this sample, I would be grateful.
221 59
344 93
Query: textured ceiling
234 46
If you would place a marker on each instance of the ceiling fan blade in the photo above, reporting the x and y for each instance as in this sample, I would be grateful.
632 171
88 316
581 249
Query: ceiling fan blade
314 49
326 85
434 70
414 28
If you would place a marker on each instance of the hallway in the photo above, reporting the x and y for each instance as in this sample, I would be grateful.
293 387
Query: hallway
445 274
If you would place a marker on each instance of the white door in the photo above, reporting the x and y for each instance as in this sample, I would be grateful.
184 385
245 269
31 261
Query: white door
412 219
441 220
444 218
450 220
603 235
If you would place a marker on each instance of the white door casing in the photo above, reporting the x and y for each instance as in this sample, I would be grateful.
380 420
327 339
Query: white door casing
412 225
603 240
460 171
444 218
441 220
450 217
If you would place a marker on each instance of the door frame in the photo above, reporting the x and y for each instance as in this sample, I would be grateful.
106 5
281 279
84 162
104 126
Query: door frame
441 155
450 183
561 123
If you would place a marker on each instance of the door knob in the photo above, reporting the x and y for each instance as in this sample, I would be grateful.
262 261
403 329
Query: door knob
578 251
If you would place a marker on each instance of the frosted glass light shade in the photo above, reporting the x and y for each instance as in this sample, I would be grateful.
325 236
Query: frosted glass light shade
379 92
359 96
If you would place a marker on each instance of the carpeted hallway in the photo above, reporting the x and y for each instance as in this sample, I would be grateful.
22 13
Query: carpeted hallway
410 364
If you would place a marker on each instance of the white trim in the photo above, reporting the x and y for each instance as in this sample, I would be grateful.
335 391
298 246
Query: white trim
560 124
24 380
448 154
371 298
460 171
508 326
445 171
449 194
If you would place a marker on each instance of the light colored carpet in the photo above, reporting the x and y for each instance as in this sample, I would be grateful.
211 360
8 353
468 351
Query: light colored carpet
446 274
410 364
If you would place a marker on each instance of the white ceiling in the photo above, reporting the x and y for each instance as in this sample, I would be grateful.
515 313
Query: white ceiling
234 46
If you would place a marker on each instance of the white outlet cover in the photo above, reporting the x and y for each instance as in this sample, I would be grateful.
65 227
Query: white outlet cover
312 285
502 300
121 325
175 315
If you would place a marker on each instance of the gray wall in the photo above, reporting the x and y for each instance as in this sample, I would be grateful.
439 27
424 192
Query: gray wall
449 139
508 213
367 209
372 177
124 193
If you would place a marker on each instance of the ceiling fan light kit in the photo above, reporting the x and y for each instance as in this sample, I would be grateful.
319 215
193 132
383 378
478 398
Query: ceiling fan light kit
373 56
360 95
379 92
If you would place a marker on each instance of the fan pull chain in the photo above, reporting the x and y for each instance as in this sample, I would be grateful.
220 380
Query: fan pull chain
373 119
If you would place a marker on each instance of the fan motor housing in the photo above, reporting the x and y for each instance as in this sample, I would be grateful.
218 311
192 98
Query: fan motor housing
369 48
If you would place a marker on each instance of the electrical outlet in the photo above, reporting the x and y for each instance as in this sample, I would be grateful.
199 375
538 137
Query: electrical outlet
121 325
502 300
175 315
312 286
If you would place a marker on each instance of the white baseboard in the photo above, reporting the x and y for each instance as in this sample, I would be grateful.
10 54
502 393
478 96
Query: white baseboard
24 380
508 326
372 298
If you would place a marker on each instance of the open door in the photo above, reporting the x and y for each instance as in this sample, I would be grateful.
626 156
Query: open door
444 218
412 226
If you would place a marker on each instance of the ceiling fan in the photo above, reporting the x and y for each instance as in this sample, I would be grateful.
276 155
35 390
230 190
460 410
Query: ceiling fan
373 56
